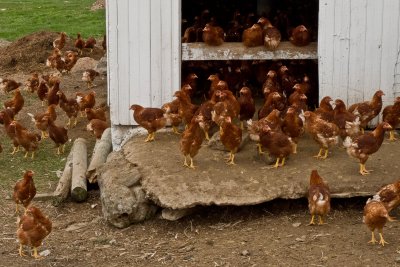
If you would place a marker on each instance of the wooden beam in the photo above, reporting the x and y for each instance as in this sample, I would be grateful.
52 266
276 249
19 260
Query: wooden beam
237 51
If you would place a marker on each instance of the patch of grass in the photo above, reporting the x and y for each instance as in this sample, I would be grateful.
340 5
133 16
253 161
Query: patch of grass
45 164
20 18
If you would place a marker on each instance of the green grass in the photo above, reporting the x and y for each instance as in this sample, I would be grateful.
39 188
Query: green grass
45 164
20 18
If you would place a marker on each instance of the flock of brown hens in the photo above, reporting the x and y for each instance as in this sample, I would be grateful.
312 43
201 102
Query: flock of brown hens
33 225
282 120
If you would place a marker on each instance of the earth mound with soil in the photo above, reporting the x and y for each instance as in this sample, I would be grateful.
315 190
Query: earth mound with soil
29 53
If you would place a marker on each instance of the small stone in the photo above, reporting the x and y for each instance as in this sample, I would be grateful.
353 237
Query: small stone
112 241
45 253
93 206
296 224
75 227
397 260
301 239
245 253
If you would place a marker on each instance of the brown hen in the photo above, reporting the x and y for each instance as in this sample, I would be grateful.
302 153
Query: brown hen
375 217
24 190
152 119
391 115
191 140
319 198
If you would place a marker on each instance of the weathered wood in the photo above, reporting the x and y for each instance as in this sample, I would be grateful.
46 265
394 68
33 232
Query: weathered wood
101 150
79 166
237 51
64 184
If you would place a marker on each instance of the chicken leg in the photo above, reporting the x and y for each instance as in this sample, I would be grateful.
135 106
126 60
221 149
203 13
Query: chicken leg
175 130
185 163
231 158
191 163
391 136
35 253
363 170
373 240
321 220
382 241
21 253
283 162
312 220
319 153
276 163
295 148
15 150
150 137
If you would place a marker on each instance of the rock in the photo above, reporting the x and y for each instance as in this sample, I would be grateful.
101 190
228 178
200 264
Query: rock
216 144
174 215
45 253
245 253
296 224
123 200
102 66
76 226
397 260
301 239
83 64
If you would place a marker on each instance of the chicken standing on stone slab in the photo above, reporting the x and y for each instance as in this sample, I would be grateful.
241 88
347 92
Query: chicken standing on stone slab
42 124
152 119
33 82
24 190
348 123
17 102
254 128
231 137
213 35
33 227
232 104
191 140
325 109
326 134
375 217
88 76
171 109
8 85
204 117
253 36
389 195
391 115
278 145
292 126
186 108
366 144
368 110
247 105
300 36
70 107
319 198
28 140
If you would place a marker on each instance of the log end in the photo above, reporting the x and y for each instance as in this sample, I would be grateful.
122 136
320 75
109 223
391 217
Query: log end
79 194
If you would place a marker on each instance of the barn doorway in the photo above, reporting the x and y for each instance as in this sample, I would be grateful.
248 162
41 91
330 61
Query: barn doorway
240 70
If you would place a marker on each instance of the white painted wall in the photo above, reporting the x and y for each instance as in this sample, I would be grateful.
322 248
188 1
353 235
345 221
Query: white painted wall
358 49
144 54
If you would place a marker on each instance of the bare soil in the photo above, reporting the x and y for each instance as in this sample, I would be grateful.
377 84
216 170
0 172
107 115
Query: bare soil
270 234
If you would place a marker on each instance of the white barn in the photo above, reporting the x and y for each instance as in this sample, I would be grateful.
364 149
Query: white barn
358 52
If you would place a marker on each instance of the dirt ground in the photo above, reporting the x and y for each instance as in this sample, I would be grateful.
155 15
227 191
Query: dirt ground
270 234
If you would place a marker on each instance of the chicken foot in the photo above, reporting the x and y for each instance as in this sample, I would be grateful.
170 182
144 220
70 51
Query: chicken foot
319 156
21 253
27 153
312 220
259 146
373 240
295 148
363 170
391 136
150 137
175 130
35 253
230 160
382 241
191 163
15 150
44 135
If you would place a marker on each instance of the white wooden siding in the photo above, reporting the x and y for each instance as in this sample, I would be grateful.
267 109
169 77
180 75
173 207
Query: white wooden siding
358 49
143 54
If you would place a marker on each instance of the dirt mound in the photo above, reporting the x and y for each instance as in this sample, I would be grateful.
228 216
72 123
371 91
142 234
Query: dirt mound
99 4
30 52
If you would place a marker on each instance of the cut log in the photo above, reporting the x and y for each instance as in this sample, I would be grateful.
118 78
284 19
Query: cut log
79 166
64 184
101 150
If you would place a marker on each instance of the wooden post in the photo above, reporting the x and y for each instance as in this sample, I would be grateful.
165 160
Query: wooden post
64 184
79 166
101 150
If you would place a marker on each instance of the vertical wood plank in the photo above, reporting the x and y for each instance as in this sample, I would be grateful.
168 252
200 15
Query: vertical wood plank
144 56
373 48
389 48
358 11
176 50
166 46
325 48
341 49
396 85
112 58
156 52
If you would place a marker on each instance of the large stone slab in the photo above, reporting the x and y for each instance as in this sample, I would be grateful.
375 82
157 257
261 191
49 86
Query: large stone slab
251 181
